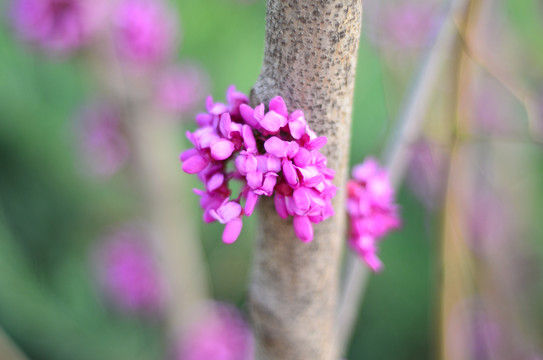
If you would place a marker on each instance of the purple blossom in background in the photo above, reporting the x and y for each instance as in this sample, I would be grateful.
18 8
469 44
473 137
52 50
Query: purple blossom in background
181 88
274 154
102 143
143 31
127 271
403 25
58 26
409 25
371 209
427 173
221 334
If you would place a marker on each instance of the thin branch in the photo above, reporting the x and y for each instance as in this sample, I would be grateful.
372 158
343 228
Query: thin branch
396 157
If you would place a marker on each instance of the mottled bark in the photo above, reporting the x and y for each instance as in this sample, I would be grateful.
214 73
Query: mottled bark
310 60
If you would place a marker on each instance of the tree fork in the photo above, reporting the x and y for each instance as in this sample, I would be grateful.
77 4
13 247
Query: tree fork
310 60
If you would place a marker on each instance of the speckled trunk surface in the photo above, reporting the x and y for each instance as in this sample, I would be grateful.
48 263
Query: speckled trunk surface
310 60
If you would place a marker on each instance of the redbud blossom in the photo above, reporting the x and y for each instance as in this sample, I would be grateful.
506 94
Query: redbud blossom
57 26
371 209
273 153
128 272
143 31
221 334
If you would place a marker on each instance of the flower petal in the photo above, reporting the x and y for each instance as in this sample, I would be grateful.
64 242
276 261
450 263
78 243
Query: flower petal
303 228
272 121
247 113
280 205
226 212
249 138
232 230
252 199
276 146
195 164
259 112
278 105
301 198
317 143
188 154
254 179
302 158
221 149
292 149
290 173
270 179
224 125
215 181
297 124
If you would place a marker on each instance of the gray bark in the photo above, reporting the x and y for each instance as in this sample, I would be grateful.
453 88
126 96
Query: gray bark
310 60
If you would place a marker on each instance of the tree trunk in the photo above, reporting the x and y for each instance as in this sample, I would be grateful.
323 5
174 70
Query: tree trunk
310 60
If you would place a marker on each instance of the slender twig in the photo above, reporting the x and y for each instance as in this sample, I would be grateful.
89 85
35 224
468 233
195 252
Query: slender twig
396 156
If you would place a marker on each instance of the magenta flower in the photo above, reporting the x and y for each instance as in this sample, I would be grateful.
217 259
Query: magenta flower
127 271
181 88
143 31
102 143
371 209
57 26
221 334
274 153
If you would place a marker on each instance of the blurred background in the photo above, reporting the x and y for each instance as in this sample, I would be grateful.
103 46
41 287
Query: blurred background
103 254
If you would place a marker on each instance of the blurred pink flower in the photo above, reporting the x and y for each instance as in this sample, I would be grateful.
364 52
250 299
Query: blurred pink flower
127 270
102 143
181 88
144 31
409 25
221 334
57 26
427 172
371 209
401 25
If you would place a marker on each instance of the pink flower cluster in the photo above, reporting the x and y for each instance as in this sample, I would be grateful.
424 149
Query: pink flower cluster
56 25
221 334
371 209
127 271
143 31
274 153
